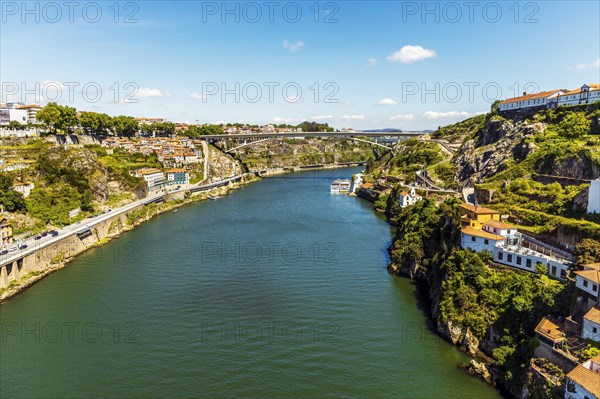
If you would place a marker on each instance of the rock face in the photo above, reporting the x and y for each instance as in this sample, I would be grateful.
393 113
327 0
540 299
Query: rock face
481 371
503 140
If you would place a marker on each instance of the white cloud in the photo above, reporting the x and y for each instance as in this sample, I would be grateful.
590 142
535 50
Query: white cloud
321 117
400 117
480 113
278 119
145 92
372 62
408 54
443 115
293 47
353 117
583 67
199 96
387 101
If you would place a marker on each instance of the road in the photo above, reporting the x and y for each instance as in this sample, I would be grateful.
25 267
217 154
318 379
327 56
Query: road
34 245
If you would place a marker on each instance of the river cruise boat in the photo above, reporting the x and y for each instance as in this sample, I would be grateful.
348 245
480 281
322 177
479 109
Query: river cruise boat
340 186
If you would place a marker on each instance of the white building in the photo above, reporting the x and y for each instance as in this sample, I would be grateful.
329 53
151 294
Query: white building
585 94
31 110
504 242
8 115
409 199
530 100
588 280
591 324
24 188
357 181
583 382
155 178
594 197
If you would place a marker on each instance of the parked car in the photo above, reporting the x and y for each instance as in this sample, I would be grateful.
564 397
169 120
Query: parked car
24 246
54 233
38 237
45 234
4 252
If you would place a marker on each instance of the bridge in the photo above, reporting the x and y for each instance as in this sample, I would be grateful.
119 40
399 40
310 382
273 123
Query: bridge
291 135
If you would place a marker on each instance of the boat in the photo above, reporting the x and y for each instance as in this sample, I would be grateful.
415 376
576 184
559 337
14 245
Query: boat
175 210
340 186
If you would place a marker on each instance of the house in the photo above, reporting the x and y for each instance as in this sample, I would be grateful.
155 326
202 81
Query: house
357 181
409 199
593 205
24 188
8 115
177 177
549 334
153 177
6 232
475 216
591 324
504 242
588 280
586 94
583 382
530 100
31 110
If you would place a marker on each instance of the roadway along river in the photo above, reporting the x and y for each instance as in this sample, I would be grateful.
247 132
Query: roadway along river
278 290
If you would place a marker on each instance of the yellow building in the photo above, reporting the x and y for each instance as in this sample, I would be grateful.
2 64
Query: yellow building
476 216
5 231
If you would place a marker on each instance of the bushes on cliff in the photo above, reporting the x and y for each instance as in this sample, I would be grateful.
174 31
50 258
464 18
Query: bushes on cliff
473 295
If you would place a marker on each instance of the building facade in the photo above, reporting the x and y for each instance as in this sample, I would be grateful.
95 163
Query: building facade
504 242
177 177
409 199
6 231
588 281
593 205
583 382
586 94
155 178
542 99
591 324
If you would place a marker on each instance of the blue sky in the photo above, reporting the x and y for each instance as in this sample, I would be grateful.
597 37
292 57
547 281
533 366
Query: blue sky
375 64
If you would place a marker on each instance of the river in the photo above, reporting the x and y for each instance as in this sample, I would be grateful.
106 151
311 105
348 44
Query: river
278 290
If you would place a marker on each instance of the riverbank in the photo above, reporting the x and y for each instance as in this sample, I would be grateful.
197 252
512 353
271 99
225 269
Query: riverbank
127 222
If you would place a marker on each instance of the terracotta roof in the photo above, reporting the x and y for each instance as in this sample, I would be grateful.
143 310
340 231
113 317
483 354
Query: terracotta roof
594 316
593 87
175 170
367 186
478 209
543 94
481 233
499 225
594 266
29 106
404 193
592 275
587 379
549 330
148 171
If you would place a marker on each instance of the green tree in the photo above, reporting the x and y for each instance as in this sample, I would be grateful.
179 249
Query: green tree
94 123
14 125
58 118
124 126
587 251
574 125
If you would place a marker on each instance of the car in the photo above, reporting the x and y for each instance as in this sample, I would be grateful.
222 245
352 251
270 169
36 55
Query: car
38 237
54 233
45 234
4 252
24 246
12 248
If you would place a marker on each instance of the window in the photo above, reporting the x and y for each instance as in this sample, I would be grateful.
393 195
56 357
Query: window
594 330
473 238
486 242
518 260
500 255
594 288
585 283
528 263
509 258
554 270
